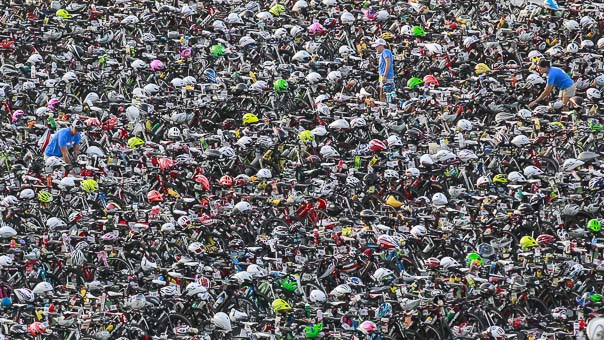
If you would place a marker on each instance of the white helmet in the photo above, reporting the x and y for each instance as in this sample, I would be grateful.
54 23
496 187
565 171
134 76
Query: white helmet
174 132
54 161
466 155
434 49
195 248
595 328
464 125
6 261
132 113
391 174
339 124
599 80
571 25
320 131
439 199
525 114
194 289
9 200
469 41
24 295
317 296
535 54
264 173
347 18
532 171
572 48
313 77
55 223
587 21
586 43
341 291
151 89
300 5
26 194
302 56
69 77
222 321
177 82
600 43
534 79
520 141
137 301
426 160
242 277
593 93
419 231
406 30
444 156
246 41
138 64
449 262
35 58
382 15
345 51
42 288
233 18
382 274
219 25
296 30
482 181
516 177
394 140
412 172
358 122
327 151
280 33
243 206
571 164
7 232
256 271
147 265
334 76
244 142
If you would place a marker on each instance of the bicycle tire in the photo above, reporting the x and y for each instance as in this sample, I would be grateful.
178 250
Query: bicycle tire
170 322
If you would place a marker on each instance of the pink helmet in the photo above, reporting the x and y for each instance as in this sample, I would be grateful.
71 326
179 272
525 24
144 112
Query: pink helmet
316 28
157 65
186 53
367 327
51 103
370 14
17 114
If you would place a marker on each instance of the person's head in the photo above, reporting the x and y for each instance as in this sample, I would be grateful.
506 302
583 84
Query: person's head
543 66
77 126
379 45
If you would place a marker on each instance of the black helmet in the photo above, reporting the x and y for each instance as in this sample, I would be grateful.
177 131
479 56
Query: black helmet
78 125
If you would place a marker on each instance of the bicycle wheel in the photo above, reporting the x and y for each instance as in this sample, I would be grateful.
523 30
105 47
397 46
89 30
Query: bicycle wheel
168 325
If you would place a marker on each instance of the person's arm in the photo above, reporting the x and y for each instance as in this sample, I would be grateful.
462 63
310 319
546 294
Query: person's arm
386 69
65 153
76 151
544 95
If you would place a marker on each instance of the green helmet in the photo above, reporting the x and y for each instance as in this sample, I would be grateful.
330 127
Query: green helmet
594 225
597 298
313 331
417 31
473 257
280 85
217 50
414 82
288 284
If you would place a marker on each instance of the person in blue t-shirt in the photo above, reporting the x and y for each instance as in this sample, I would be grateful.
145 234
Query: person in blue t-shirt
63 141
556 77
385 67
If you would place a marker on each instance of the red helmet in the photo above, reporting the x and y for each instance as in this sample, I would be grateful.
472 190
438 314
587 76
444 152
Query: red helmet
165 164
225 181
154 196
386 242
37 328
431 80
203 180
92 122
545 239
377 145
432 262
321 204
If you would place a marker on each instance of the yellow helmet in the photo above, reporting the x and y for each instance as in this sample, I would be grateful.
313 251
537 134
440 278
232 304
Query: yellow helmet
133 142
249 118
556 126
527 242
306 136
89 185
45 196
280 305
346 231
481 68
63 14
393 202
387 36
277 10
500 179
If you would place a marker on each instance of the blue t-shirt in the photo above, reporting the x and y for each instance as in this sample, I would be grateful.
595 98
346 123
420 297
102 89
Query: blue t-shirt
557 77
386 53
63 137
